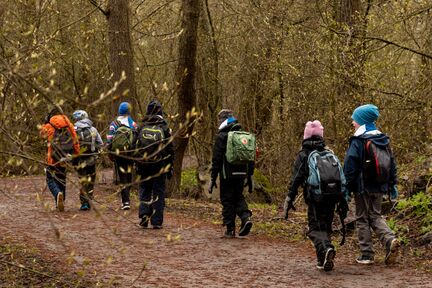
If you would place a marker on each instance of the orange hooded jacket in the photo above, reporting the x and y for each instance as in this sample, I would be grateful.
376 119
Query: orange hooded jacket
47 131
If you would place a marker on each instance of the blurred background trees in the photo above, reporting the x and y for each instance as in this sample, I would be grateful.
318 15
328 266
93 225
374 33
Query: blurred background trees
277 64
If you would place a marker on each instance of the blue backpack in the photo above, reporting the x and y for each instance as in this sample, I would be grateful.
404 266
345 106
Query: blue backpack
326 178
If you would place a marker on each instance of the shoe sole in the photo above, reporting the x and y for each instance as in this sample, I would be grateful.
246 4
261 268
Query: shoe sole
365 262
60 202
125 208
392 255
328 261
246 229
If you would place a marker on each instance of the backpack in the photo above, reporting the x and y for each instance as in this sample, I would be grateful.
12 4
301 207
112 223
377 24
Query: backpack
241 148
377 164
122 139
150 142
326 179
87 139
61 143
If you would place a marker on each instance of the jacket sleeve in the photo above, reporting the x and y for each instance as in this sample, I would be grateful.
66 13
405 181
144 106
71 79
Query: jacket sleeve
299 175
353 164
219 149
45 130
169 149
75 141
393 171
98 140
111 131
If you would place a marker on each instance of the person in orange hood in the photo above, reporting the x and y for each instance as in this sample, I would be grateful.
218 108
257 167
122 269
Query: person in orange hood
62 145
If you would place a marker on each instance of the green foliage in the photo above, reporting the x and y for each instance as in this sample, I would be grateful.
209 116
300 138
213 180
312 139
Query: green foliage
189 182
420 206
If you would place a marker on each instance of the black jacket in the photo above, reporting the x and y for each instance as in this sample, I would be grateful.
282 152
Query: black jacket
219 149
167 152
354 162
301 170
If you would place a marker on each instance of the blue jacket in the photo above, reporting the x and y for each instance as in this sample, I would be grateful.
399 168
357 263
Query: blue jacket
354 164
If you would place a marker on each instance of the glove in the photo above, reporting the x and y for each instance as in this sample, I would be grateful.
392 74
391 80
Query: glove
394 192
288 205
249 184
212 185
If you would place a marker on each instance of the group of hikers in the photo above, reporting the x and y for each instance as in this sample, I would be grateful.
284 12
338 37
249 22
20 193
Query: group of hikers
368 173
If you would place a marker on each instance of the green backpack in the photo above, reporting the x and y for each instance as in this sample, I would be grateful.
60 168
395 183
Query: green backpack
241 148
122 139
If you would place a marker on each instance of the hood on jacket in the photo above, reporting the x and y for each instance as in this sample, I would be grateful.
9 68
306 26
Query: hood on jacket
377 139
154 120
314 143
228 124
84 123
59 121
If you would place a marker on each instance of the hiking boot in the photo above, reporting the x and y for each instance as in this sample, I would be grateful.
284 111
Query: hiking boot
60 201
245 227
229 233
328 260
320 265
365 259
126 206
85 207
144 222
392 249
157 227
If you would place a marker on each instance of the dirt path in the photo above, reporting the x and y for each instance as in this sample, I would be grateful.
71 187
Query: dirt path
186 253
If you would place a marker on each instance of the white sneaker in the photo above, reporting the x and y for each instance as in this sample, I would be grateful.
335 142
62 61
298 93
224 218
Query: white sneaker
126 206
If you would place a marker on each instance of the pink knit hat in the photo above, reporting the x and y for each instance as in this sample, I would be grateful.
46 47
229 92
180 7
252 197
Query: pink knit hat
313 128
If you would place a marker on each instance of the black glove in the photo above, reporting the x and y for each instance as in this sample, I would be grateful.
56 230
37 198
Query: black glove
249 184
212 185
342 208
288 205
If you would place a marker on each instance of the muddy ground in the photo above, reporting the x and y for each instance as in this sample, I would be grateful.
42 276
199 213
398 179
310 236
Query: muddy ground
106 246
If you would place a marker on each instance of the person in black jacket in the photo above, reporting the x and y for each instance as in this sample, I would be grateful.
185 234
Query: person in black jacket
232 179
154 164
320 214
368 191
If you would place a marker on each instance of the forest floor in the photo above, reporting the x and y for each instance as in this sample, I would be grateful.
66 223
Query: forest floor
41 247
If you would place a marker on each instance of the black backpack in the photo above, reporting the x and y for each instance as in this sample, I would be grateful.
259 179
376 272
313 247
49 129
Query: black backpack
377 163
87 140
150 143
61 143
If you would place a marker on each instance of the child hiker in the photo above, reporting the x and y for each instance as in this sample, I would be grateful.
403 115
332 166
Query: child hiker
231 178
62 146
154 154
370 171
119 140
90 142
320 174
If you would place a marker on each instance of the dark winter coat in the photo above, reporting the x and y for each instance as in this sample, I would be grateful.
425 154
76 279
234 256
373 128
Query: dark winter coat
354 165
301 169
219 162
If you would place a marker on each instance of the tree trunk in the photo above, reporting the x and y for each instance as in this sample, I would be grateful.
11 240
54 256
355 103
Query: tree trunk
185 75
121 53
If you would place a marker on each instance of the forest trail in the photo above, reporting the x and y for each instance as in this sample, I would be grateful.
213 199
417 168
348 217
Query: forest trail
186 253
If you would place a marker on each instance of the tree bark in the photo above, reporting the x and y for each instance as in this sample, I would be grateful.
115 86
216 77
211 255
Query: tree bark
121 53
185 75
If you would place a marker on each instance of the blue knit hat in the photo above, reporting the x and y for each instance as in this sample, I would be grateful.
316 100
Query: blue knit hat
365 114
124 108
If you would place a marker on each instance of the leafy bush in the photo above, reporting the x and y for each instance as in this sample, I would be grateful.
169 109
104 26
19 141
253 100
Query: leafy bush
419 205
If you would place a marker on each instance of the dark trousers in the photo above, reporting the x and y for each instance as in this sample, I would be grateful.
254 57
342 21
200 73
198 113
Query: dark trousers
320 218
56 180
87 176
233 201
152 198
123 168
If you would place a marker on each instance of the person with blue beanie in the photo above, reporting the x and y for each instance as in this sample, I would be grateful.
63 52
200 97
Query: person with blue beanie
370 171
123 127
